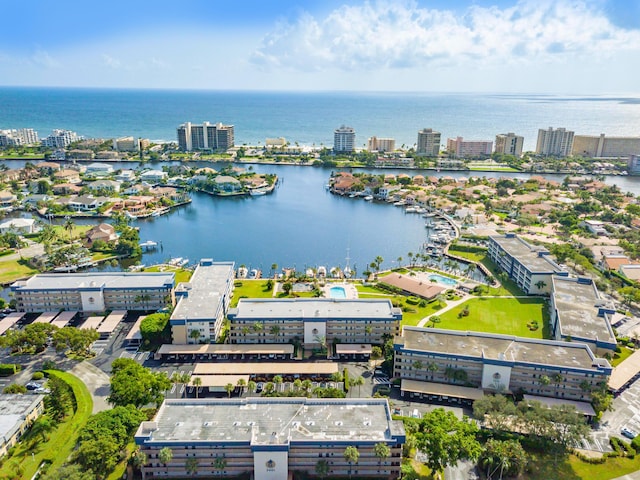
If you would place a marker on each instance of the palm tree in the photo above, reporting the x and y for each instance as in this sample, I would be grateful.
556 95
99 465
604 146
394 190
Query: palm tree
357 382
178 378
197 383
220 463
165 455
306 386
432 367
258 327
195 334
229 387
277 380
191 466
351 455
274 330
251 386
381 451
274 267
42 426
322 468
69 226
241 384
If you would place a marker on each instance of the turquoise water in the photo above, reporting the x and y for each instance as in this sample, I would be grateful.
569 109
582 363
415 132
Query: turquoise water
310 118
449 282
337 292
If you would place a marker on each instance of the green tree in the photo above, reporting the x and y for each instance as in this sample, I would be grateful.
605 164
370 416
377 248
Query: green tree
191 466
133 384
357 382
165 455
503 457
99 455
197 383
43 426
322 468
446 439
229 388
381 451
496 411
351 455
69 226
15 388
59 401
286 287
220 463
71 471
129 243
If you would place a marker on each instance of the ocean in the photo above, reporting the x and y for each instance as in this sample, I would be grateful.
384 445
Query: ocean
310 118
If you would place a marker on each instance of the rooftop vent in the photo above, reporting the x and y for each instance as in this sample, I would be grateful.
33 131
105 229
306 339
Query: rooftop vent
310 423
339 423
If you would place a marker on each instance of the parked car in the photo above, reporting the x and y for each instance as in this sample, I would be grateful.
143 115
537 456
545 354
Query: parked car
627 432
33 386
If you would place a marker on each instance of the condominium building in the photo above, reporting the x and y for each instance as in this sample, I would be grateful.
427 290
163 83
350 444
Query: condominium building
344 139
130 144
94 292
313 321
375 144
633 164
509 144
593 146
18 137
428 142
531 267
270 438
202 303
17 414
498 363
206 136
558 142
60 139
460 148
579 314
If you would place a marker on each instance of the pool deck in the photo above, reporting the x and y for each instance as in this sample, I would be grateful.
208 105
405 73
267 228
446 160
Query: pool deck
424 276
350 290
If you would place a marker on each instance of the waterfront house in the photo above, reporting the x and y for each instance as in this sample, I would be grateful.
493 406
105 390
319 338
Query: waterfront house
66 188
67 176
19 225
125 176
7 198
11 175
97 169
85 203
153 176
47 168
103 231
104 185
227 184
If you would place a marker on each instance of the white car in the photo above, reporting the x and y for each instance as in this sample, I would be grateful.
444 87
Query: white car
627 432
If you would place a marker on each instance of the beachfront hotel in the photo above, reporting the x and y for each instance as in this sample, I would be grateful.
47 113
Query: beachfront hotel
467 364
206 136
270 438
313 321
460 148
94 292
428 142
555 142
202 303
531 267
509 144
344 140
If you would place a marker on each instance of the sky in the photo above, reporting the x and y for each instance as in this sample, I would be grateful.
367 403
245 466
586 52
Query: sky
508 46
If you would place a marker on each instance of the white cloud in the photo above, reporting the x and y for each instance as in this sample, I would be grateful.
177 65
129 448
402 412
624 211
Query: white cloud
43 59
110 61
392 34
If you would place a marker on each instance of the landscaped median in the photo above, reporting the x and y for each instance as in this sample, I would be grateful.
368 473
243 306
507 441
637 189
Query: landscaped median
27 458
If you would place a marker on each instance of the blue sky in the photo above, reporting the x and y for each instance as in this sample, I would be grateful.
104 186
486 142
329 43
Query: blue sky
545 46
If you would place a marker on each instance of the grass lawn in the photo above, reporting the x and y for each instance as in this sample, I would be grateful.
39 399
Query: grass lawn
11 270
250 289
572 468
61 441
499 315
77 232
618 358
182 275
121 468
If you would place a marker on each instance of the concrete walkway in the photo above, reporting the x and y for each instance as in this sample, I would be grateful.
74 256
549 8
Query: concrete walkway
96 381
630 476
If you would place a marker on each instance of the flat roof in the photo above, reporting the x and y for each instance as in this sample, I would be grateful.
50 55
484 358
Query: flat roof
204 291
432 388
220 380
310 308
227 348
270 421
106 280
625 371
528 255
353 348
13 408
266 368
91 322
10 320
577 304
582 407
499 347
134 333
111 322
63 319
46 317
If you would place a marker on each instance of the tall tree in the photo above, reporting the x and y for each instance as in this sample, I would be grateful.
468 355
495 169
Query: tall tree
381 451
133 384
322 468
351 455
165 455
197 383
191 466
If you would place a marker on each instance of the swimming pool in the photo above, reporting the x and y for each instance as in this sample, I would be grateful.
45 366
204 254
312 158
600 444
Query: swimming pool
337 292
446 281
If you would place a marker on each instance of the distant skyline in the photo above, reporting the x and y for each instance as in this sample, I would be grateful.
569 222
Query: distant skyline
533 46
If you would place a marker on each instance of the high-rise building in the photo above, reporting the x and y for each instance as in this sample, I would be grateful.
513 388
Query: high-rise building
558 142
509 144
375 144
22 136
60 139
344 139
206 136
593 146
127 144
428 142
460 148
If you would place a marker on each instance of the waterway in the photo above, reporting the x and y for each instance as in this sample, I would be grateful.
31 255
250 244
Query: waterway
299 225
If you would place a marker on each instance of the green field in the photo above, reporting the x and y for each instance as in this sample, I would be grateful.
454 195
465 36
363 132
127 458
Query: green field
509 316
543 467
250 289
29 455
12 270
182 274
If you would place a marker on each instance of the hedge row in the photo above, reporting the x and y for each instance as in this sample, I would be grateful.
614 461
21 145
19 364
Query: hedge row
8 369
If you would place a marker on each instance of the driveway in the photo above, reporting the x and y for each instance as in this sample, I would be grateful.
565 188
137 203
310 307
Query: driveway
96 381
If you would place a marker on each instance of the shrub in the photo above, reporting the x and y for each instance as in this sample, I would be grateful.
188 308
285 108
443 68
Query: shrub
8 369
15 388
411 300
37 376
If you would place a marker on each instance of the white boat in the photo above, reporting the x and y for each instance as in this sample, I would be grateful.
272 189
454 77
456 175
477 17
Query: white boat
183 262
243 272
65 269
400 203
175 261
257 192
149 244
156 213
368 198
410 210
322 271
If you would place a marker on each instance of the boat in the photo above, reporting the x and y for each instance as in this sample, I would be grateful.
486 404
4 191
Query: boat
156 213
368 198
242 272
400 203
129 215
410 210
175 261
149 244
65 269
183 262
322 271
257 192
